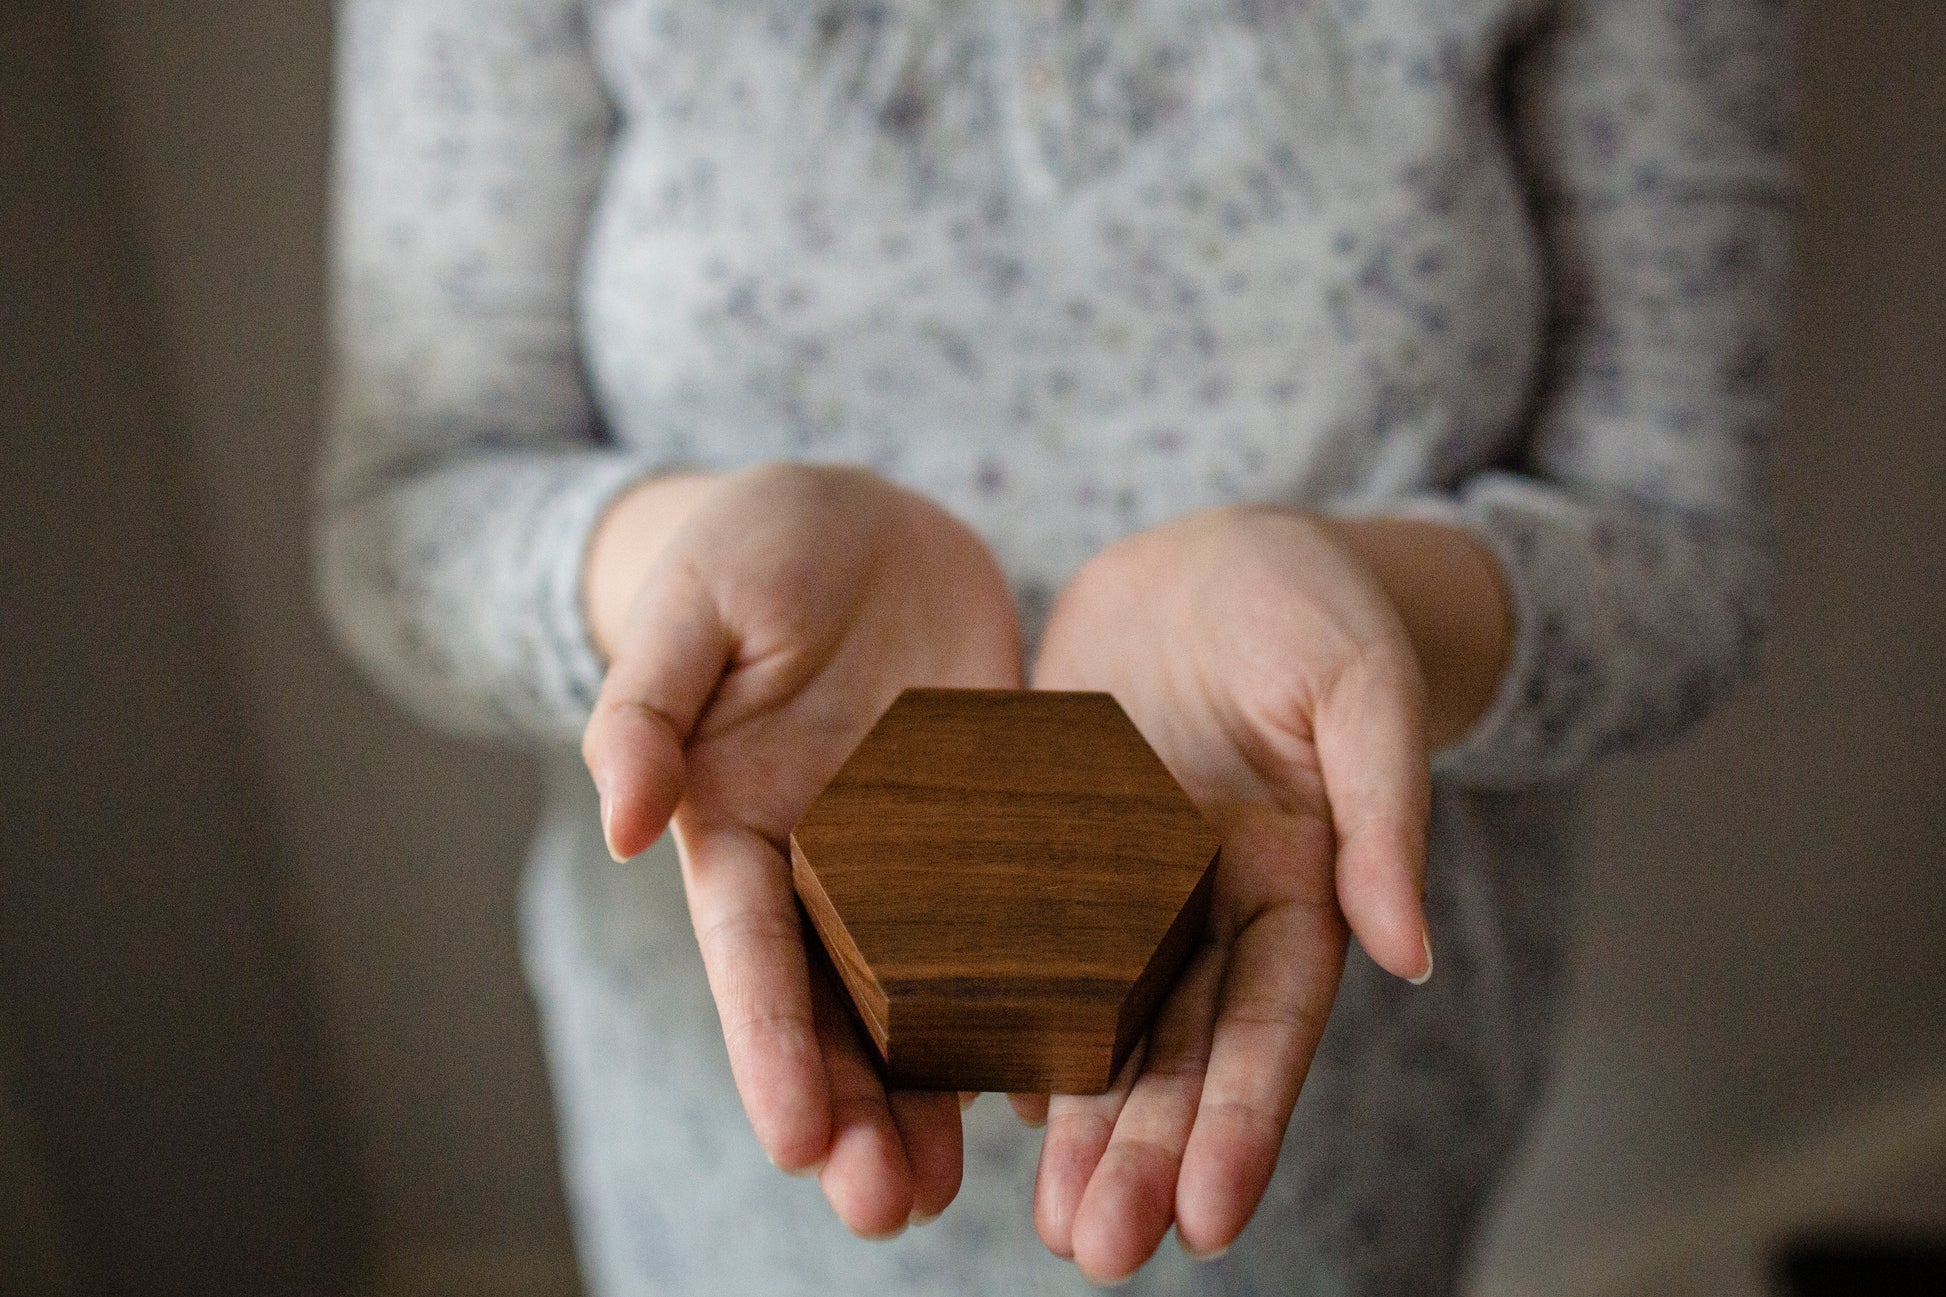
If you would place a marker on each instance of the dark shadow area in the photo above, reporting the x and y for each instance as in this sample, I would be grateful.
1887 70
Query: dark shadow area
1861 1264
164 1047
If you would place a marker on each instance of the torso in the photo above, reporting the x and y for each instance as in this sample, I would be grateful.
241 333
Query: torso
1071 268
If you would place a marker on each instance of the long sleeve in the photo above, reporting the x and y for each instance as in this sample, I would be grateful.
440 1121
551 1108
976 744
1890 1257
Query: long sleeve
1631 530
463 467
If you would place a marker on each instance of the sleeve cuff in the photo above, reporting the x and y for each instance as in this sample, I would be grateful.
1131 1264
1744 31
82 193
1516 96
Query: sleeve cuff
563 530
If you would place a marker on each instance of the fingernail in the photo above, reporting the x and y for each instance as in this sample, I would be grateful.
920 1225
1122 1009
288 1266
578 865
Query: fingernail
1423 978
810 1172
886 1237
607 813
1197 1255
918 1218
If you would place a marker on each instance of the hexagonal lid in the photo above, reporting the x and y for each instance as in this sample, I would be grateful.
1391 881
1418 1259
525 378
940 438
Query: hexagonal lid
1006 881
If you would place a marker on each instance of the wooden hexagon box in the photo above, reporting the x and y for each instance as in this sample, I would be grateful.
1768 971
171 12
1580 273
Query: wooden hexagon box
1007 882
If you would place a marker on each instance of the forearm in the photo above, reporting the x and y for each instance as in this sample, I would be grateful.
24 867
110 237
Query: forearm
463 465
1451 595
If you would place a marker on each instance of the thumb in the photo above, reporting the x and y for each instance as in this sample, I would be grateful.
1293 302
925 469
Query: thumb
1372 750
673 651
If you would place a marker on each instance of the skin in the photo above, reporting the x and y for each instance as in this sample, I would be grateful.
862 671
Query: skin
756 625
1268 659
1292 671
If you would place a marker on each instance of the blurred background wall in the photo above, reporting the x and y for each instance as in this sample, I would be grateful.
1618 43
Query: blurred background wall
261 1022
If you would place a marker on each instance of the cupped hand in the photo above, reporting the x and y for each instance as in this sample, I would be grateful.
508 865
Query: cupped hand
1276 679
769 631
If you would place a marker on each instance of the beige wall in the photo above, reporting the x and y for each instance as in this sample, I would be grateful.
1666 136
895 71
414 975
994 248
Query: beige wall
1753 1038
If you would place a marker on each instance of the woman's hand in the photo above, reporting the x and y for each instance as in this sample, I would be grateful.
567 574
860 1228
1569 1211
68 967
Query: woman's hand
1270 659
774 615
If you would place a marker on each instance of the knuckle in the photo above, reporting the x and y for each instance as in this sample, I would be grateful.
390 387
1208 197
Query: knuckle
732 936
1250 1122
749 1030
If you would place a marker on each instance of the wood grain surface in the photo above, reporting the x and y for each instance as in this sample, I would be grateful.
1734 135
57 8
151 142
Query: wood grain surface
1007 882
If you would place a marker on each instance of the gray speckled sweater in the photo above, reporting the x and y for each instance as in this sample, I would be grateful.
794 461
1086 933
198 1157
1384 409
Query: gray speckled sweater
1071 267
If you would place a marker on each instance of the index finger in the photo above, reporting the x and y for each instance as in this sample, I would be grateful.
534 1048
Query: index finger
1276 997
747 926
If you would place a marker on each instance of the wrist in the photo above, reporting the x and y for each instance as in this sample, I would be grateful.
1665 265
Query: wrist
1454 603
628 537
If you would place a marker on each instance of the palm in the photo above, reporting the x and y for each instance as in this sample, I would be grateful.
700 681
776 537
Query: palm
800 691
776 629
1239 650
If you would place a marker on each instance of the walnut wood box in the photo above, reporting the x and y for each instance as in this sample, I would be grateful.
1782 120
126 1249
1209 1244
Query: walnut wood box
1007 882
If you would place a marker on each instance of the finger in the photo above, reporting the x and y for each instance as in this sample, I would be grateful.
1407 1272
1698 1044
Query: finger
676 648
1078 1130
746 921
1372 750
866 1178
1030 1108
1277 990
1130 1200
929 1127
